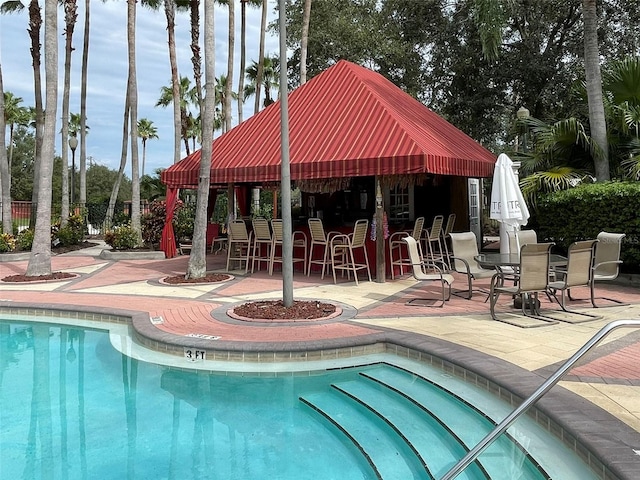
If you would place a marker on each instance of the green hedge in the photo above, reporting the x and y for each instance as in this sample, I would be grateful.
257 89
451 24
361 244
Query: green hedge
582 212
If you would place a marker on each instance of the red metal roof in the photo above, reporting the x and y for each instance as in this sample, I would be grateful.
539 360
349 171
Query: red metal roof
348 121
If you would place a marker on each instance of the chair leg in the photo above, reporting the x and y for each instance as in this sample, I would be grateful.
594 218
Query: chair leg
593 299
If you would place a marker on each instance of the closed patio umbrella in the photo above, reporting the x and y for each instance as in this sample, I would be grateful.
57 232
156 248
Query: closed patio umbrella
507 202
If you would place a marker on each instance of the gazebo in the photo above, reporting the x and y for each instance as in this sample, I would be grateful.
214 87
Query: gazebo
346 122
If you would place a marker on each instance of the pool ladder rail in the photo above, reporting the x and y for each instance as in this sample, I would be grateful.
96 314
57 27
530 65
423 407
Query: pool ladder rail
535 396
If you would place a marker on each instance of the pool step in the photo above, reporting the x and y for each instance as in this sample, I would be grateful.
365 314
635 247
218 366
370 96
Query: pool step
469 424
396 417
387 456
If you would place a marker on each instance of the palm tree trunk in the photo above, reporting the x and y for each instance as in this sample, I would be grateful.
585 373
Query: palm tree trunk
170 13
35 24
243 41
227 90
260 74
194 8
40 258
306 18
83 106
71 14
5 180
197 267
597 119
108 221
132 93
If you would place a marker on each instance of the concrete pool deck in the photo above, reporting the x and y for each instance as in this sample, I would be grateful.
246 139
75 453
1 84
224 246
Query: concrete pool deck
373 313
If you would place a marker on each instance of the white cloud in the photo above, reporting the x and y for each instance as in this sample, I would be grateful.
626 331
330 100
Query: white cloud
108 69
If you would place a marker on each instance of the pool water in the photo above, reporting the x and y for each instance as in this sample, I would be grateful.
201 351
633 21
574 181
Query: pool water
74 407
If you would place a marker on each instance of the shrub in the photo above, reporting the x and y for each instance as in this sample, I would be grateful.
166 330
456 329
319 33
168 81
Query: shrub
153 223
7 243
121 238
581 213
183 220
24 240
72 233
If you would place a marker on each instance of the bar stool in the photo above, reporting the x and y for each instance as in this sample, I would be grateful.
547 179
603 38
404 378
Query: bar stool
319 239
343 248
398 246
433 240
261 237
299 240
239 244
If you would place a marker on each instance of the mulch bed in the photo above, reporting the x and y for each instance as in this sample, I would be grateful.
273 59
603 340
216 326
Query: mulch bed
208 278
38 278
275 310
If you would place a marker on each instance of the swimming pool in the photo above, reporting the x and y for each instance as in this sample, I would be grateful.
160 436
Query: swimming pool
72 406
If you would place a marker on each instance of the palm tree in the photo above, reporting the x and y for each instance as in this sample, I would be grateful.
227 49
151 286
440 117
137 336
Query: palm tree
132 96
83 105
304 41
5 180
197 267
243 41
221 99
196 61
71 15
170 13
188 96
228 94
270 79
40 258
14 115
597 120
35 24
146 130
260 65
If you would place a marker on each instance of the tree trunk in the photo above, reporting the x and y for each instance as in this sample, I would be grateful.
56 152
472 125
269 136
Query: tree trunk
260 72
228 85
108 221
132 93
178 121
5 179
304 41
243 48
83 106
40 258
35 24
194 7
197 267
597 119
71 14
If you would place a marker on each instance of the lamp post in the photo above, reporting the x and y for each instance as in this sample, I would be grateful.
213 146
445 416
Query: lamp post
522 114
73 144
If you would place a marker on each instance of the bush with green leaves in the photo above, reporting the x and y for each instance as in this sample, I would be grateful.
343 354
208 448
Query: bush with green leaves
24 240
183 220
7 243
72 233
581 213
153 223
122 237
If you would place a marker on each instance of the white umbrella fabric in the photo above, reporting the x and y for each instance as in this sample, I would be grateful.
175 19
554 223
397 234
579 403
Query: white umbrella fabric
507 202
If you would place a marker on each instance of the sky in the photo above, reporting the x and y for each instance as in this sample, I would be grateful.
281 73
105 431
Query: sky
108 71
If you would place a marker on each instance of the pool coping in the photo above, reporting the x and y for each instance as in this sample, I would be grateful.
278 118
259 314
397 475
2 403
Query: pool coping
573 419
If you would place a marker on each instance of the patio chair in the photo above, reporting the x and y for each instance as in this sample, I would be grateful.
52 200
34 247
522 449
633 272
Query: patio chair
519 238
261 238
446 239
299 240
579 273
239 244
533 278
433 239
606 265
343 248
464 249
397 246
425 272
319 239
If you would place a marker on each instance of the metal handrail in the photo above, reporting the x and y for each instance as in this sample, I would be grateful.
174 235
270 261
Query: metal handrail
535 396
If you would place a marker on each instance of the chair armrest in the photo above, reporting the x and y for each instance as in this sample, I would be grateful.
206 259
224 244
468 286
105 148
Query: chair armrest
299 233
463 260
397 236
339 239
611 262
